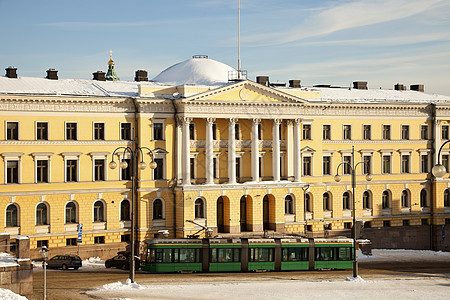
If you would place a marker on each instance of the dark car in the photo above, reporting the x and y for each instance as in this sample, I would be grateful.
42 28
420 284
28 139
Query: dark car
64 262
122 261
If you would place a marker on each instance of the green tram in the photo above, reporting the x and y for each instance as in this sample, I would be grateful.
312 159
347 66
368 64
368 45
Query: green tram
243 255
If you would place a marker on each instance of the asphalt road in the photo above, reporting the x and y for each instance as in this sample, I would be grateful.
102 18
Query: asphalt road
72 284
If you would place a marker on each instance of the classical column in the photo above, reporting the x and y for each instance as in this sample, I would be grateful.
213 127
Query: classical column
179 149
297 159
289 148
231 151
186 152
209 151
276 149
255 150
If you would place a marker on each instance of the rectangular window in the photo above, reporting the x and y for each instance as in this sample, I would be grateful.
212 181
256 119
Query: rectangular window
71 242
346 166
42 243
192 167
125 131
327 165
71 131
307 166
237 133
367 132
261 254
192 131
12 130
445 161
405 222
214 167
42 171
424 132
260 134
158 131
99 239
424 221
71 170
386 132
214 130
405 132
126 173
159 170
347 132
295 254
424 163
238 168
386 164
326 132
99 169
306 131
386 223
367 167
99 131
125 238
405 163
12 171
42 131
444 131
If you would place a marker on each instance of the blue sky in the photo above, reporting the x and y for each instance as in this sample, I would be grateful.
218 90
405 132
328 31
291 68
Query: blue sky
320 42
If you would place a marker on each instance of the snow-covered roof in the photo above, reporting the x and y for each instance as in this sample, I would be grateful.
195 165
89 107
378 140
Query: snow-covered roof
377 95
198 71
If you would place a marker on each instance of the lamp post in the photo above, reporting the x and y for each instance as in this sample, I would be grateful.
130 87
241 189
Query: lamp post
305 189
338 178
134 155
439 170
44 254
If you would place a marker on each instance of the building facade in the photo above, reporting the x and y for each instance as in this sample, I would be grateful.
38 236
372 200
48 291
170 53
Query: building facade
238 157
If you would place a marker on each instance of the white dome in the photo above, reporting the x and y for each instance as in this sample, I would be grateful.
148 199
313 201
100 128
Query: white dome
197 70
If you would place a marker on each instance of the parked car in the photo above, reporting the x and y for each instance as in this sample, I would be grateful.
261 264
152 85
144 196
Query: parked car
122 261
64 262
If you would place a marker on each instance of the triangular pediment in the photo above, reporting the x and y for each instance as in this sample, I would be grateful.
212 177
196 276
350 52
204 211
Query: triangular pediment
245 91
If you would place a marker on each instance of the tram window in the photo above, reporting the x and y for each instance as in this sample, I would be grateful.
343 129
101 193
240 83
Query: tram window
324 254
236 257
225 255
295 254
344 253
261 254
167 255
189 255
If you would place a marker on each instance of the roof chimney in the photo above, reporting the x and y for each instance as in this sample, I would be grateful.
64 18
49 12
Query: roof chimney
141 75
360 85
99 76
417 87
399 87
52 74
264 80
294 84
11 72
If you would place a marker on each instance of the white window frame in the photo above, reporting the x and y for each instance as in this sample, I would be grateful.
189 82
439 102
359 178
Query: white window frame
401 132
104 211
99 156
12 156
163 129
370 132
387 152
390 132
131 131
6 129
343 132
216 155
72 156
76 131
161 154
404 152
331 137
448 131
163 208
42 156
193 155
93 131
36 130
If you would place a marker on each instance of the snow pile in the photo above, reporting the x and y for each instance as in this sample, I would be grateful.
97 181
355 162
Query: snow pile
401 255
7 294
7 260
357 278
128 285
92 263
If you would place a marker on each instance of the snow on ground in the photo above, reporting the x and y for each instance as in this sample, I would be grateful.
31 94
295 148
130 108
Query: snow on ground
7 260
7 294
427 287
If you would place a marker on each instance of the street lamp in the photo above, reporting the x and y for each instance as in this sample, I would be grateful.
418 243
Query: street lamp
338 178
44 254
134 154
305 189
439 170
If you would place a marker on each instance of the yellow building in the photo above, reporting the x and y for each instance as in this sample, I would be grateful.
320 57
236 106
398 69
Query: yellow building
238 157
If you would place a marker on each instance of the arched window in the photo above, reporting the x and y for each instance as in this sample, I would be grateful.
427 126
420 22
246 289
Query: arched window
11 216
288 205
125 211
41 214
447 198
308 202
423 198
71 213
405 199
327 201
99 211
157 209
385 200
346 201
199 208
367 201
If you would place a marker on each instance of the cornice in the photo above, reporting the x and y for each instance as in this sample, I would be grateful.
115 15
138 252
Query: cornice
377 142
65 143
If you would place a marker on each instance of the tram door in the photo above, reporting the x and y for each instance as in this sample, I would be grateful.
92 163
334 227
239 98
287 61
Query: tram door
243 214
266 212
220 225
